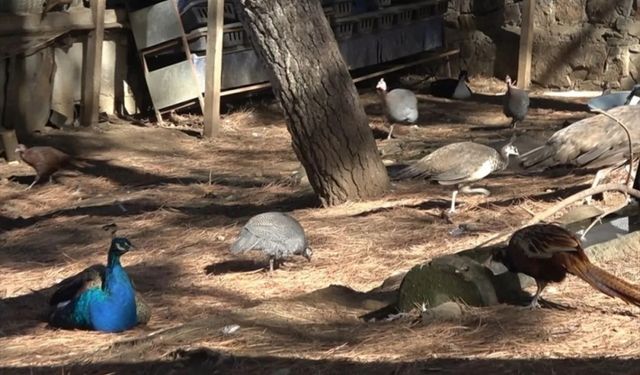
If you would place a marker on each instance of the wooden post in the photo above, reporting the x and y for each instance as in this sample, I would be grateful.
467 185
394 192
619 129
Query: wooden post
213 75
92 67
526 44
9 143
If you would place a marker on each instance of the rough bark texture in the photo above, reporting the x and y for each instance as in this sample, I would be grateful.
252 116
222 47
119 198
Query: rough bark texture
328 125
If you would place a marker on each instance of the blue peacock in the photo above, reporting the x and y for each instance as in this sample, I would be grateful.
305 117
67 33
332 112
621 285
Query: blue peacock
100 298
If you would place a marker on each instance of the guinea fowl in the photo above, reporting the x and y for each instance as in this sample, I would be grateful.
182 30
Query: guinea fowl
612 100
400 105
452 88
92 277
45 160
592 143
276 234
460 164
516 103
109 308
547 252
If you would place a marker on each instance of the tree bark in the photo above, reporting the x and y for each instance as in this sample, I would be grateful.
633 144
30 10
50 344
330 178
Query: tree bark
328 125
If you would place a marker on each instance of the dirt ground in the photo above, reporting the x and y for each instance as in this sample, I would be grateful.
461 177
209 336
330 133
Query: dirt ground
182 200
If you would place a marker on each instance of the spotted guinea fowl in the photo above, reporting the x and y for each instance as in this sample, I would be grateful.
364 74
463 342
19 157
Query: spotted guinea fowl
92 277
45 160
592 143
400 105
612 100
452 88
276 234
110 308
516 103
460 164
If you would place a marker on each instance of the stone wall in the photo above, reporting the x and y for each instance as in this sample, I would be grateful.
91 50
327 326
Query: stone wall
577 43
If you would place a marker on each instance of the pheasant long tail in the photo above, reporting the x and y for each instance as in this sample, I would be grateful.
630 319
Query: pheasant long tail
607 283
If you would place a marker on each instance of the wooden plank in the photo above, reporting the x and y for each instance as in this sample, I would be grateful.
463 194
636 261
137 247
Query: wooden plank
92 67
78 19
396 67
526 44
213 74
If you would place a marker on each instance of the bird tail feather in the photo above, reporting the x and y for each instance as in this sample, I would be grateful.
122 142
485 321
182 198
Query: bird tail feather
410 171
608 283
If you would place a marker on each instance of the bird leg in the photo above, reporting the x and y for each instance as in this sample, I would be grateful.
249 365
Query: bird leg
271 261
391 126
35 181
453 202
600 175
514 122
534 302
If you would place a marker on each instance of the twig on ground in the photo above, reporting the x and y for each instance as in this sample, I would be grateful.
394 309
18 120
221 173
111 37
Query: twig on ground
563 204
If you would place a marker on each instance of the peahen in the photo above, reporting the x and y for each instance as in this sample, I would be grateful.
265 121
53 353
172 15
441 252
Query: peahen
461 164
45 160
276 234
100 299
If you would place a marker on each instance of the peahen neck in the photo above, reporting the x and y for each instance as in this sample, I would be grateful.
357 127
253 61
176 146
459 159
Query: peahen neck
504 159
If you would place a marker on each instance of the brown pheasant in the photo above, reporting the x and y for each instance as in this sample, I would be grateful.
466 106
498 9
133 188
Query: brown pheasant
547 252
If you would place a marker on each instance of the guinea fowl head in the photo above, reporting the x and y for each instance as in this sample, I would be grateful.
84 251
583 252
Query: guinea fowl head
307 253
464 75
381 86
21 148
120 245
509 82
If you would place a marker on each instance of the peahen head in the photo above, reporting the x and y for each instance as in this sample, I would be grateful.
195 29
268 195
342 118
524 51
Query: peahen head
120 245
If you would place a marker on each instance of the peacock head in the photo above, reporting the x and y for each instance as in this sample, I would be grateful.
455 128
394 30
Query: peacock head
120 245
382 85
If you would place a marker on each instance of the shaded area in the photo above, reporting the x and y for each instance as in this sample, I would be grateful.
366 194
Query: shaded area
205 360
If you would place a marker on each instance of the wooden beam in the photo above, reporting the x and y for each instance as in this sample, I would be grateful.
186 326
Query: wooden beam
92 67
526 44
213 73
391 69
78 19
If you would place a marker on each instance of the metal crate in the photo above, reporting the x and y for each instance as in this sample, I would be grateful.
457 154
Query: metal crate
342 8
426 9
343 28
386 19
404 14
230 11
365 23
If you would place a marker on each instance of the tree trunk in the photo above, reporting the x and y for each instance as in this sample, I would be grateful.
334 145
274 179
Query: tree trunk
328 125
